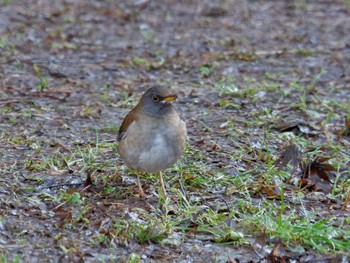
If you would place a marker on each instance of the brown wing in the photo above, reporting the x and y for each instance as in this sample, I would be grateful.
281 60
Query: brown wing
129 118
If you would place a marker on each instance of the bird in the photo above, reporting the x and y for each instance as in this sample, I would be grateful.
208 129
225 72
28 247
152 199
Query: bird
152 136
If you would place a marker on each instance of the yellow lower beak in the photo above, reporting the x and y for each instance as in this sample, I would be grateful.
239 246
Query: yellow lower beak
170 98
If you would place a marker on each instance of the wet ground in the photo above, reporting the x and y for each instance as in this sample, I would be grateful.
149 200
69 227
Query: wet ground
243 71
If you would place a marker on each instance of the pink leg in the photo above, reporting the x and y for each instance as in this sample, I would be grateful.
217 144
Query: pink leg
140 191
162 183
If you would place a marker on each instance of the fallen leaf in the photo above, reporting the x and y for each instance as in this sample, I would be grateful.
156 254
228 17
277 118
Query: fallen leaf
290 154
315 175
278 253
89 180
71 191
65 215
347 201
271 192
317 167
297 127
346 130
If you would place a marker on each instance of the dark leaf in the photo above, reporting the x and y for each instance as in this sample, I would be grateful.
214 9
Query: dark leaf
65 215
213 10
232 260
316 175
284 126
346 130
294 126
290 154
347 201
317 167
304 183
88 181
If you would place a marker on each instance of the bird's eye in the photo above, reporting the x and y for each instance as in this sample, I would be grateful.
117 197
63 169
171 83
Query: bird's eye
155 98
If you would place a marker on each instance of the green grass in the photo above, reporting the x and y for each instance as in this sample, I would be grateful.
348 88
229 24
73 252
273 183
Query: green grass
12 259
43 81
347 3
277 219
213 203
232 107
148 34
327 235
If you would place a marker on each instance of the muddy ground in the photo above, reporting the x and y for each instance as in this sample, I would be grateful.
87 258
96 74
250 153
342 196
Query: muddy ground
71 70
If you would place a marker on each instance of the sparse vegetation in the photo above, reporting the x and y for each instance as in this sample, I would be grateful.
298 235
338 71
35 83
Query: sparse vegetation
265 175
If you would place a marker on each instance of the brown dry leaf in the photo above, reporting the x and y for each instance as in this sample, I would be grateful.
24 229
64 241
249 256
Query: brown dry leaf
347 124
232 260
290 154
296 127
72 191
307 184
89 180
316 175
65 215
278 253
347 201
346 130
271 192
317 167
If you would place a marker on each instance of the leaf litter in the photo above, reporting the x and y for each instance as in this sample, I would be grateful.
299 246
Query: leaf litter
72 71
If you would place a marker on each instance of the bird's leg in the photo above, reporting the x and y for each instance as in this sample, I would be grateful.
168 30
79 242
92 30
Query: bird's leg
162 183
141 193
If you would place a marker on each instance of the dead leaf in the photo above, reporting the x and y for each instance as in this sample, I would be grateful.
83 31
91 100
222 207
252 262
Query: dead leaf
306 184
271 192
65 215
290 154
278 253
347 201
232 260
317 167
213 10
316 175
71 191
297 127
346 130
88 182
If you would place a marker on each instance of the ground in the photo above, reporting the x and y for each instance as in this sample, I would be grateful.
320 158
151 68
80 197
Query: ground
263 87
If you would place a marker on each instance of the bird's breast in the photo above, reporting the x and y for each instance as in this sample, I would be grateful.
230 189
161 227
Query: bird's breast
152 144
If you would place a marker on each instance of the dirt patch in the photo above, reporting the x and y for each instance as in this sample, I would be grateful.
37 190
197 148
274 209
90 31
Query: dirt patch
252 78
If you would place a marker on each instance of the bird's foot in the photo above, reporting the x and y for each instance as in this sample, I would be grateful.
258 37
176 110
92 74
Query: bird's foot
141 193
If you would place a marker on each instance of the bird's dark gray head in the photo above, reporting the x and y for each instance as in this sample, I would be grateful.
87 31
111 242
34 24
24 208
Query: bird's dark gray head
157 102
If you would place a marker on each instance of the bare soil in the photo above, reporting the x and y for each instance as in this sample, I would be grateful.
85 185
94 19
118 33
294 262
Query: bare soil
93 61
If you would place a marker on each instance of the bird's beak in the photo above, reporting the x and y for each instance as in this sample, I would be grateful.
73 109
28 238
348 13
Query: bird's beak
169 98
